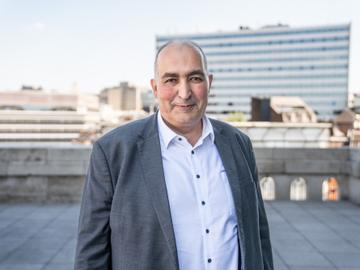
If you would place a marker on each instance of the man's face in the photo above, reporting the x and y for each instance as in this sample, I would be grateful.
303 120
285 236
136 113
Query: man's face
181 86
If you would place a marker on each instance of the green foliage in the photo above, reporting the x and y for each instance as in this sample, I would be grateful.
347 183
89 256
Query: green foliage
236 117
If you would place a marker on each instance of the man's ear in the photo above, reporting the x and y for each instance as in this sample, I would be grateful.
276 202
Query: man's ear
154 86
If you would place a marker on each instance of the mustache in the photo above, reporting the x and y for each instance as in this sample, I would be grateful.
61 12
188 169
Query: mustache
184 103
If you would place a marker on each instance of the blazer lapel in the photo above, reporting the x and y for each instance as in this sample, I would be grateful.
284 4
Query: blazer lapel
151 163
236 169
236 166
223 145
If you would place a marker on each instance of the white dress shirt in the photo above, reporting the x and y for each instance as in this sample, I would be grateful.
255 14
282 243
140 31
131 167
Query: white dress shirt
201 203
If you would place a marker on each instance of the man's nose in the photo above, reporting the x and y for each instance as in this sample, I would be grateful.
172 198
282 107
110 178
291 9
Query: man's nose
184 90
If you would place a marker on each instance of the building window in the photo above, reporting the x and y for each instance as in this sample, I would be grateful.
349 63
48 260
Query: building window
330 190
267 186
298 190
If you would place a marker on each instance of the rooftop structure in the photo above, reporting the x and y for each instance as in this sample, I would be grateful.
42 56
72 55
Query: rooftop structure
281 109
349 123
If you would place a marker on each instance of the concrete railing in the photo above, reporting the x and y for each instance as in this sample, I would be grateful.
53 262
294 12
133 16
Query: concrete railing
314 165
55 172
42 173
354 176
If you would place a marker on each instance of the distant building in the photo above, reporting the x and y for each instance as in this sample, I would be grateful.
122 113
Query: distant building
149 103
36 99
34 115
347 120
281 109
356 102
349 123
309 62
121 98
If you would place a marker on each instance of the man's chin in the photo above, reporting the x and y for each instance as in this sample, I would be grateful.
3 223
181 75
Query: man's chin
188 119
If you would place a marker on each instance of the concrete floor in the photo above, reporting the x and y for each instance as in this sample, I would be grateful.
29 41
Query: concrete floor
305 235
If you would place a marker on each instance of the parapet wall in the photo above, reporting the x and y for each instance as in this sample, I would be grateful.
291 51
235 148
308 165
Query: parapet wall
42 173
354 176
315 165
55 173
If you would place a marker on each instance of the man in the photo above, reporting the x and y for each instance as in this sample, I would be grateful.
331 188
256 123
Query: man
175 190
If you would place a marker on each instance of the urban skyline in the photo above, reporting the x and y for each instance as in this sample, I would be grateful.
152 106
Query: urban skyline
96 45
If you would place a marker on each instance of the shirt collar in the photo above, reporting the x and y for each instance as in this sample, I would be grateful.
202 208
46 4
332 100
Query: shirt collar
167 134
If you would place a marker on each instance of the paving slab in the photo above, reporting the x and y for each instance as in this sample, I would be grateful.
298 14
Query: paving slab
345 259
305 235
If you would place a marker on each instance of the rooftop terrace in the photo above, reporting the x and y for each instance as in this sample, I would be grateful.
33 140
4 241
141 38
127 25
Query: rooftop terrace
305 235
45 181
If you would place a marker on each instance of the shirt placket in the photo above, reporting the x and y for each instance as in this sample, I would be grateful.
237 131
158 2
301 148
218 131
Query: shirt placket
202 198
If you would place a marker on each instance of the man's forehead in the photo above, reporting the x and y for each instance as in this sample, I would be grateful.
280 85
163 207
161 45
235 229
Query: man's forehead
176 55
175 49
178 46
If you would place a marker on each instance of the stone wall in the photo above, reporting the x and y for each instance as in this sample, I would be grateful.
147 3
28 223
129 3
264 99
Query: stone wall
45 173
354 175
312 164
55 173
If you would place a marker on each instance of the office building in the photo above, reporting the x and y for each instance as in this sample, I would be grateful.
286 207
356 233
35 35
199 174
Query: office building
308 62
120 98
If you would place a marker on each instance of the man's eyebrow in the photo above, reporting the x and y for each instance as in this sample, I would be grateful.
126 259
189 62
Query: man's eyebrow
169 74
196 72
176 75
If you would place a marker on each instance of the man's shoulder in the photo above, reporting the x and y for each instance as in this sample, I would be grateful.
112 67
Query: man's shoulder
127 133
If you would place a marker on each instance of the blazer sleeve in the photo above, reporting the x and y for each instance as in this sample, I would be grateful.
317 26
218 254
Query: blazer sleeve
93 249
263 223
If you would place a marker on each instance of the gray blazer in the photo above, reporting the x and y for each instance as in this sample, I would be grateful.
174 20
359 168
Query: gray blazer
125 221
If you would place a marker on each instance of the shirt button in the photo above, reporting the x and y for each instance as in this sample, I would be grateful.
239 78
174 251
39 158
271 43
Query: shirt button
179 139
209 260
207 231
203 203
192 152
197 176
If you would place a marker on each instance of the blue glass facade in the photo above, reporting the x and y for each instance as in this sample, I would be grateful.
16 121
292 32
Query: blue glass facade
310 62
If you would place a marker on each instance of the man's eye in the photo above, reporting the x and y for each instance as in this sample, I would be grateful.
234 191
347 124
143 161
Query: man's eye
170 80
196 79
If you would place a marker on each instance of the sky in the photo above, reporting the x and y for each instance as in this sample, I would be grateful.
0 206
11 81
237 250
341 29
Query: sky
88 45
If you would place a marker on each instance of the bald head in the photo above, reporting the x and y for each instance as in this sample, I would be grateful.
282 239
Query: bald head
178 44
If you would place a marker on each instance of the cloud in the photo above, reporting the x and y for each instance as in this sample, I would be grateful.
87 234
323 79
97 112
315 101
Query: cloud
37 26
